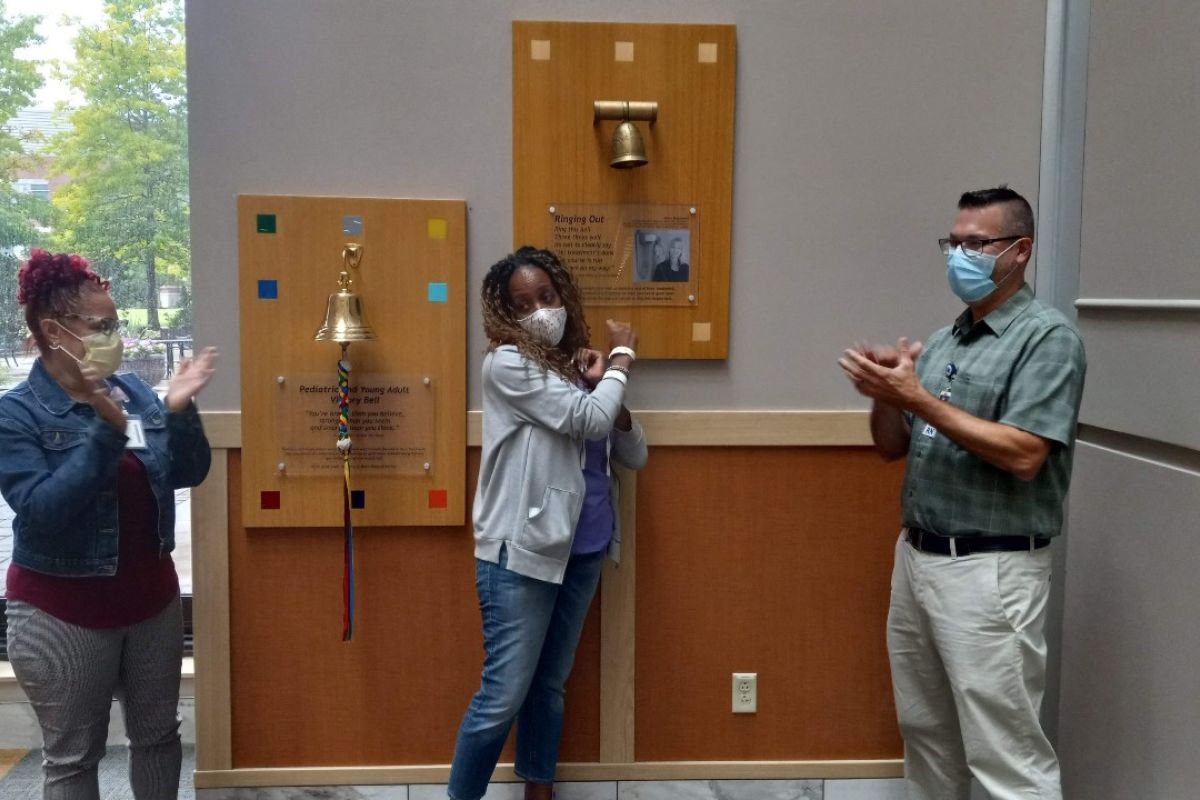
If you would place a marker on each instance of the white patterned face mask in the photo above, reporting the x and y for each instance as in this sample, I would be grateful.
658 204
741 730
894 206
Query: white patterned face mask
546 325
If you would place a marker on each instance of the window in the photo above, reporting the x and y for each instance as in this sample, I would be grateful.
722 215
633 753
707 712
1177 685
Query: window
96 152
38 187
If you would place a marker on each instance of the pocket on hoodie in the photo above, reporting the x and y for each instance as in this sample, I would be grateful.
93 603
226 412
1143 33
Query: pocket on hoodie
547 529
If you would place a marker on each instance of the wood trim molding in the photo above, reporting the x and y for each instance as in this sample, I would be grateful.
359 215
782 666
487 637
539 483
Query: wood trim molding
223 428
631 771
1138 304
756 428
210 616
799 428
617 634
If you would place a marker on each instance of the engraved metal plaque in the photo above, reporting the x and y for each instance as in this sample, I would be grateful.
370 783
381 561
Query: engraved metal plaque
391 424
627 254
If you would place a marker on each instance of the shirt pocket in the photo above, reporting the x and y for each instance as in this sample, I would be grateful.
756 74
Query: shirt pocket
60 439
548 527
979 397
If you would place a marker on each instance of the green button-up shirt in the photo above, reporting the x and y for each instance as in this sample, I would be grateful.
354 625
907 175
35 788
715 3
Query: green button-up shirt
1022 365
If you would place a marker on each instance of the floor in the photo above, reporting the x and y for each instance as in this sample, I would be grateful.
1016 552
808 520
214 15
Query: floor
23 782
594 790
21 775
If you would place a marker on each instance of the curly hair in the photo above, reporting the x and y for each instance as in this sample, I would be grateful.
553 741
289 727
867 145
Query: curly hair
500 323
49 285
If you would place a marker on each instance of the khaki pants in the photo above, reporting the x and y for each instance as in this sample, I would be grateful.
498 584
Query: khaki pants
966 638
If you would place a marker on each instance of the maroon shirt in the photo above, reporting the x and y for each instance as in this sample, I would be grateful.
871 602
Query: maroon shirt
144 584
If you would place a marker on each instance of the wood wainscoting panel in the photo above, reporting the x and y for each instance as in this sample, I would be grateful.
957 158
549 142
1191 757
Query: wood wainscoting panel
768 560
396 693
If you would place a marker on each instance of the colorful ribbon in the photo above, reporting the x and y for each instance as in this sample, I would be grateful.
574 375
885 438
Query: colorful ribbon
344 445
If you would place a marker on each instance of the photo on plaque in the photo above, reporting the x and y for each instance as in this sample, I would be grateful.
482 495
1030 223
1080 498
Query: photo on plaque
661 255
628 254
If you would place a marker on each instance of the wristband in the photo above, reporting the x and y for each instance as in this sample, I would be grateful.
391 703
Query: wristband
622 350
616 375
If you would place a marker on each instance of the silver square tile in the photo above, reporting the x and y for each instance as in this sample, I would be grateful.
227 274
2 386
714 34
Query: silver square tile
720 790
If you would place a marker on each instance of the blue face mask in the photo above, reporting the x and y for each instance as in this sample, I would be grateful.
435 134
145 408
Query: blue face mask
970 273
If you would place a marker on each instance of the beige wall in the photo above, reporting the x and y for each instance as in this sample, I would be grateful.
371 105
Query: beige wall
858 124
1130 694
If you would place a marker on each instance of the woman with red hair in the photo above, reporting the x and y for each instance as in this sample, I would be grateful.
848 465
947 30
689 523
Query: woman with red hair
89 461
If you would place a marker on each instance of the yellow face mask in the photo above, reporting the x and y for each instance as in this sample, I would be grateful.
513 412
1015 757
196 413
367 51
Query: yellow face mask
102 352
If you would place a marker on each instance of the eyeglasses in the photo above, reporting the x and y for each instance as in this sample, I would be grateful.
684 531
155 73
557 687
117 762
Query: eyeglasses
105 325
971 245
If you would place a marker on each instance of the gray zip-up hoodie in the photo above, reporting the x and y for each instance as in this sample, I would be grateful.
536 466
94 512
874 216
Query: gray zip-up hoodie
531 473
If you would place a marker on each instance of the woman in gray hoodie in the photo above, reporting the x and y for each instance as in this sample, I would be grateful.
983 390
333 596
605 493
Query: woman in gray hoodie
545 509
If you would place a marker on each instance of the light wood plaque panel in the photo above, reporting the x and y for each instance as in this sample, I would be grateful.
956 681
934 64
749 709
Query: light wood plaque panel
394 695
412 282
768 560
560 156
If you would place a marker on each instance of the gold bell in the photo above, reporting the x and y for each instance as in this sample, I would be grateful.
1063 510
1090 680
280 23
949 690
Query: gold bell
344 320
628 150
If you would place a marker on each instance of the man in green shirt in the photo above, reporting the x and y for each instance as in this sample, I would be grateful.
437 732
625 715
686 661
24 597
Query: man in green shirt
985 413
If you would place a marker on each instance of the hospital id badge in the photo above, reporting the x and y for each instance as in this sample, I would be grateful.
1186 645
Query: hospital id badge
135 433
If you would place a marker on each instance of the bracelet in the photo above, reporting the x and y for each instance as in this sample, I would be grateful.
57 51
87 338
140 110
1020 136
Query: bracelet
622 350
618 368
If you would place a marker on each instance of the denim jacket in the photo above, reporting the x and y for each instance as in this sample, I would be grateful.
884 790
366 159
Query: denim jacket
58 471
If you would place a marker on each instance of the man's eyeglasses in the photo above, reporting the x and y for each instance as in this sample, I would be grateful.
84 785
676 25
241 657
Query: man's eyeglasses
105 325
971 245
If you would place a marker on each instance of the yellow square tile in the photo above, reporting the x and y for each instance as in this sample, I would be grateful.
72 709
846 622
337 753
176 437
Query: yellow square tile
623 51
707 53
436 228
701 331
539 49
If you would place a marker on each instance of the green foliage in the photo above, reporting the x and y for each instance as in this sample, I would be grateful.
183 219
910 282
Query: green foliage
126 206
18 81
136 319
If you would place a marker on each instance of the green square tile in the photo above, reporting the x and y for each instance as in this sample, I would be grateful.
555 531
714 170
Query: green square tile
266 223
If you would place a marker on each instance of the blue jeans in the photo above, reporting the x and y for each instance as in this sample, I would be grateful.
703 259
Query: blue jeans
530 631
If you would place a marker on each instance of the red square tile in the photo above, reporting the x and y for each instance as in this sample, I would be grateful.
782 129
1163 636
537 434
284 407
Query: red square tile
439 498
269 500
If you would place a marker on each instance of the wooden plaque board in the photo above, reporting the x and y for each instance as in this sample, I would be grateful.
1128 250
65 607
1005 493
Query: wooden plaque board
561 158
412 282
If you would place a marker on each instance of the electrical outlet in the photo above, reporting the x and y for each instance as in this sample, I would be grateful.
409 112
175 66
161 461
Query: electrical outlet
745 692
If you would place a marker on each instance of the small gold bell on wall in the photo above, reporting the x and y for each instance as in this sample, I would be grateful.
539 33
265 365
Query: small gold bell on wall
344 318
628 149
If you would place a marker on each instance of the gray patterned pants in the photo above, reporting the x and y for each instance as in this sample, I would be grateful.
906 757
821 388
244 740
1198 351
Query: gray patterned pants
71 675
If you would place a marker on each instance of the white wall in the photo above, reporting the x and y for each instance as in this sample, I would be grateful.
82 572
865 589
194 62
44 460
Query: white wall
858 125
